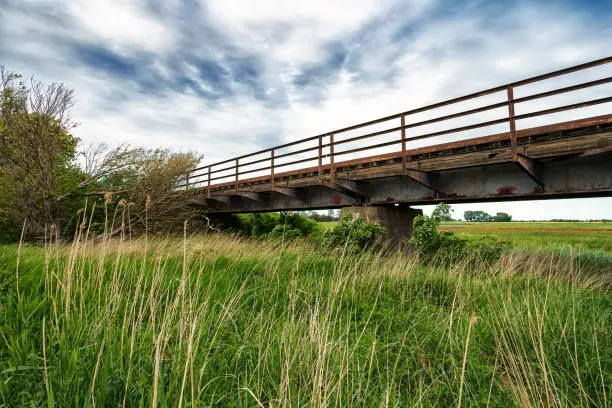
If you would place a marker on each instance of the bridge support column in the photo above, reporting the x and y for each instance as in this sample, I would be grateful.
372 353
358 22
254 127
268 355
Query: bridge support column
397 220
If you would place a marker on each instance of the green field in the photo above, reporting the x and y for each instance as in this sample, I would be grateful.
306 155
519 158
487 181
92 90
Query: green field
328 224
222 321
579 236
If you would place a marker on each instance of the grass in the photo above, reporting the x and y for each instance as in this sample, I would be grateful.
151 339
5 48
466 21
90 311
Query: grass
327 225
223 321
580 236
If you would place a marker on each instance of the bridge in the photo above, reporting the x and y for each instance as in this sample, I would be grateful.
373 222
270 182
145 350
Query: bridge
502 143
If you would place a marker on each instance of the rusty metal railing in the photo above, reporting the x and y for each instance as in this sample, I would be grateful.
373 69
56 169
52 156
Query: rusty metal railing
233 170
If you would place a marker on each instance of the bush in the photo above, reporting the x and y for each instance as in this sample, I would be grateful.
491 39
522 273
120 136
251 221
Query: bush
486 248
292 225
274 225
257 224
356 234
445 247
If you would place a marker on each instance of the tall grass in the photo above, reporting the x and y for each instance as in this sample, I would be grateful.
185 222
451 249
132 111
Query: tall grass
222 321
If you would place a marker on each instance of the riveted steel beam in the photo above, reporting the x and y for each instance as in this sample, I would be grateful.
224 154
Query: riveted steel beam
530 167
348 187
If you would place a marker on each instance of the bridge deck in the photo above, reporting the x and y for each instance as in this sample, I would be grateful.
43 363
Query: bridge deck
555 140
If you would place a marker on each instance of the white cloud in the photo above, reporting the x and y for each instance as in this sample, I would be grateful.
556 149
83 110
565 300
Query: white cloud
123 26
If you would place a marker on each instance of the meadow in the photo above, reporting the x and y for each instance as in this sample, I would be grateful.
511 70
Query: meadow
219 320
580 236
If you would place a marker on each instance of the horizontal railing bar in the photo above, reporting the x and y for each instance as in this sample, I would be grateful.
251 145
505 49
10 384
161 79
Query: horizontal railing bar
278 156
376 146
564 71
422 109
308 139
474 95
223 169
564 108
256 170
482 109
190 184
458 114
440 133
255 162
564 90
518 100
459 129
222 177
378 133
295 162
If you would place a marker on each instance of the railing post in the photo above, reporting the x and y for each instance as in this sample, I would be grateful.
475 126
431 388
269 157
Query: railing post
209 181
272 166
512 122
403 144
187 180
236 182
320 159
332 169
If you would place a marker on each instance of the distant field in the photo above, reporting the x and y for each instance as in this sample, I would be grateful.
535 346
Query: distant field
577 235
328 224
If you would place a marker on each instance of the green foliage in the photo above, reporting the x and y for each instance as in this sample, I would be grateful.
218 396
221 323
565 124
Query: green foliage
285 225
293 225
445 247
502 217
37 156
353 234
442 212
481 216
436 245
256 224
476 216
487 248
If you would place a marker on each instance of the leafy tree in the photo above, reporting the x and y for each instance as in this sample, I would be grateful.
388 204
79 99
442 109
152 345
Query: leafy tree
442 212
42 184
476 216
143 182
481 216
37 155
502 217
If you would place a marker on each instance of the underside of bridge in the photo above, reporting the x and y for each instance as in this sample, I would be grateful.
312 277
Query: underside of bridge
565 160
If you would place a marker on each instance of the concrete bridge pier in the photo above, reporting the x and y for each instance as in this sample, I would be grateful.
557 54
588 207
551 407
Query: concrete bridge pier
397 220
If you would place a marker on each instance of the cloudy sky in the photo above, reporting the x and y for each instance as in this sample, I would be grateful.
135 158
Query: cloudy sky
225 77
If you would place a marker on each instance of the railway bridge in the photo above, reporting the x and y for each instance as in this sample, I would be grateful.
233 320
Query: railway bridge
544 137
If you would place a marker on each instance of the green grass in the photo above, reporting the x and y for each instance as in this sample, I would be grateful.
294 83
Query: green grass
222 321
580 236
327 225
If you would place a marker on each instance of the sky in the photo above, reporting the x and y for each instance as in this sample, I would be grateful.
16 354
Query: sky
225 78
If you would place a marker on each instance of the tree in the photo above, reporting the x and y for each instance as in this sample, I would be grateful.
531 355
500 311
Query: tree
481 216
502 217
476 216
37 154
143 182
442 212
42 184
